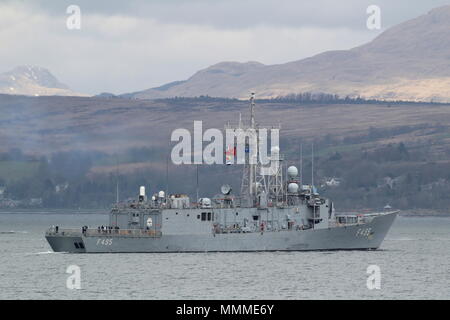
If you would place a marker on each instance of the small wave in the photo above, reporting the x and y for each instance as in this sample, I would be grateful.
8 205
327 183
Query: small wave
43 252
12 232
401 239
49 252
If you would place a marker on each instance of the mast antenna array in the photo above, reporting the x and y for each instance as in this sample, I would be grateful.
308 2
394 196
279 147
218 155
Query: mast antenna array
255 182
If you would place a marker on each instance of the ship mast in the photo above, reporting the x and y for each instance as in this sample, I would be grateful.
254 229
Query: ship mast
255 182
249 184
252 184
252 110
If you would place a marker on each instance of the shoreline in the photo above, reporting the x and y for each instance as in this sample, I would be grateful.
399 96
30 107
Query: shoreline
402 213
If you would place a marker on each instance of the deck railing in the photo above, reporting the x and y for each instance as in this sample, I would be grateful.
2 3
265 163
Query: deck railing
104 233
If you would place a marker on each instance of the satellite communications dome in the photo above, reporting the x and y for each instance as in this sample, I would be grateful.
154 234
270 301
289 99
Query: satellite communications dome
293 188
292 171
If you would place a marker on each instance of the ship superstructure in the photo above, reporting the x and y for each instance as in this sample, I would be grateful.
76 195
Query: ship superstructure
273 212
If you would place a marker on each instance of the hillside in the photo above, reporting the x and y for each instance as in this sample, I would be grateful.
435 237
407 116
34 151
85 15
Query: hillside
70 151
49 124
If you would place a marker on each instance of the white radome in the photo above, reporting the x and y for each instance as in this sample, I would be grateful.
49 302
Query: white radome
293 188
292 171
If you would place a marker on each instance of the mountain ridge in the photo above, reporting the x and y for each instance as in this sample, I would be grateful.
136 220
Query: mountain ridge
409 61
33 81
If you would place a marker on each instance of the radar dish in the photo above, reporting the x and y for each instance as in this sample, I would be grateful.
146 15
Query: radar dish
225 189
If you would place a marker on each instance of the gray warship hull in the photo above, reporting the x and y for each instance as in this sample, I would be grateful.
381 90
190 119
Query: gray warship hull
364 236
275 211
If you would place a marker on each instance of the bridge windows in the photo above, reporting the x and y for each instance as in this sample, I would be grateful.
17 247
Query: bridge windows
207 216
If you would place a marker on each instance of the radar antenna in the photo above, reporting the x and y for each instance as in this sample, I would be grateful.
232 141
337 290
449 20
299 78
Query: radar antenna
256 180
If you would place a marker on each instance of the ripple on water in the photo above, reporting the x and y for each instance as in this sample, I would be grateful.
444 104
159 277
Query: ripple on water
413 261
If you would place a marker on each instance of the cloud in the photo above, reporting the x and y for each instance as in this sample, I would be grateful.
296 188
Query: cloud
132 45
230 14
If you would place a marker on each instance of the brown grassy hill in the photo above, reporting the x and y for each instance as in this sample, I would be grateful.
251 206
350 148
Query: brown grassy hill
49 124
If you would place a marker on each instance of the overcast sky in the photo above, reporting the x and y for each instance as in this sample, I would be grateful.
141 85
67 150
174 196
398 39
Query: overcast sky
126 46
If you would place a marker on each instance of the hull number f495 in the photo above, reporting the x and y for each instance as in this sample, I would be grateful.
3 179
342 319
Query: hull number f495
364 232
105 242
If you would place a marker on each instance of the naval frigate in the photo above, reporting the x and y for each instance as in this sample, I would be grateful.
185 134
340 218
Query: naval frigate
274 212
